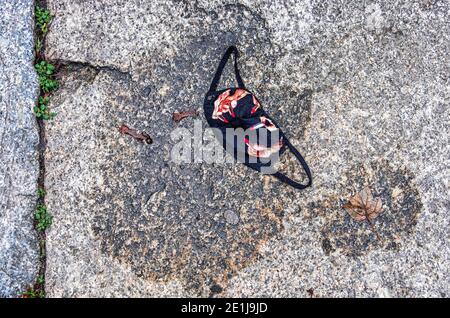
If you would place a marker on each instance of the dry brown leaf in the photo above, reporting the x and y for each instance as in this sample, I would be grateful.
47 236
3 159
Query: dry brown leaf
364 206
177 116
139 136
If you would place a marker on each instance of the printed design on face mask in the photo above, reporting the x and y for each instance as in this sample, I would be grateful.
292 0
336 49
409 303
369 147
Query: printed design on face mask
238 109
257 105
266 123
259 151
225 103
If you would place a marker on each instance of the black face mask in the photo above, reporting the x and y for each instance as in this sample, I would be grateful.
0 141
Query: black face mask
259 139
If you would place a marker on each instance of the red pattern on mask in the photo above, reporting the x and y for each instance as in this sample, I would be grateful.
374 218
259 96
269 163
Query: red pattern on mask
259 151
225 103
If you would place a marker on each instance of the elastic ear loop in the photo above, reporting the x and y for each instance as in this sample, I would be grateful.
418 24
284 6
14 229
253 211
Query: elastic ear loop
231 50
300 158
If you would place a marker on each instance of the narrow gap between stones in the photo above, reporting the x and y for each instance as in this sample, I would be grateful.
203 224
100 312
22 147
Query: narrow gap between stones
48 84
67 65
40 214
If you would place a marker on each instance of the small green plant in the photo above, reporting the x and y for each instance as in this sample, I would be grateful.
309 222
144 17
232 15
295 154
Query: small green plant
43 218
41 280
42 111
44 68
32 293
38 45
40 193
45 72
43 18
42 250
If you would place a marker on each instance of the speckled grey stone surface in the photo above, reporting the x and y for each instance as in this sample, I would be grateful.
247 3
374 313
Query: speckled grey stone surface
18 149
360 87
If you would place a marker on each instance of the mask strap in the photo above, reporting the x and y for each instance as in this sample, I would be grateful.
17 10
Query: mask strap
231 50
300 158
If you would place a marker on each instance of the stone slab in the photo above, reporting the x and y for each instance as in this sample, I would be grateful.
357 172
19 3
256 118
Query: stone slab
19 259
360 88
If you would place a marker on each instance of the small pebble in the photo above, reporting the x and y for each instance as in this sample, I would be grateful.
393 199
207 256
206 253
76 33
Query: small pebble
231 217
